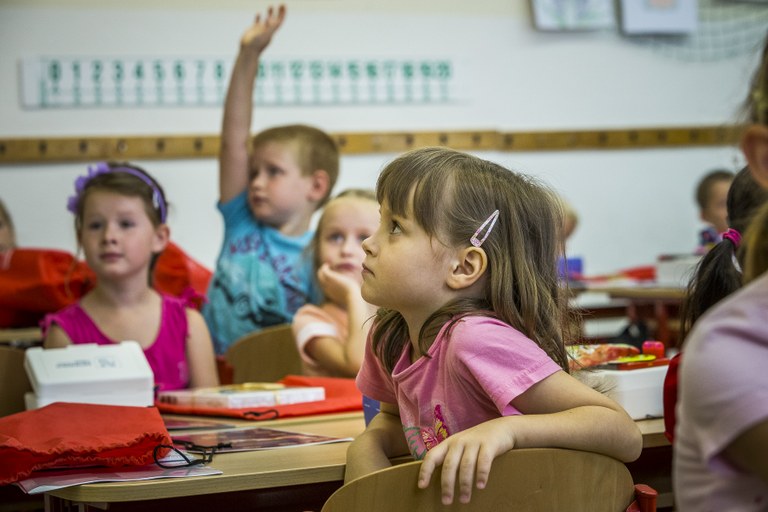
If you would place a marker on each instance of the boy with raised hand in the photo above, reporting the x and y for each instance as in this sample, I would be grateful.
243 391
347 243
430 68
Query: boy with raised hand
267 196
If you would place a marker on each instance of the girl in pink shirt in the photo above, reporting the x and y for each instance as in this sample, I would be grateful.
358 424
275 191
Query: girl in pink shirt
466 352
120 220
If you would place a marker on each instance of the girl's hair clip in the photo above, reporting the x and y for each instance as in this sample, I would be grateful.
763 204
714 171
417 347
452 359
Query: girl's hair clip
477 242
104 168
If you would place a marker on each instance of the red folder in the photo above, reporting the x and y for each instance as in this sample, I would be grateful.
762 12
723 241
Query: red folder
341 395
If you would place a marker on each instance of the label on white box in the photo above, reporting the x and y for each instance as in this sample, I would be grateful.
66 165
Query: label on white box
116 374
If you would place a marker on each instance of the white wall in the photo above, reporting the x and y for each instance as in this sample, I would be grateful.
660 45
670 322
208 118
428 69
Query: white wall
633 205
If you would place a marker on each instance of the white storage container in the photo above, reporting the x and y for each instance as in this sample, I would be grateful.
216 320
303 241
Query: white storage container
676 271
88 373
640 391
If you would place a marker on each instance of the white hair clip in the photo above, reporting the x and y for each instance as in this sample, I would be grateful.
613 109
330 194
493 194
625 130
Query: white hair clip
477 242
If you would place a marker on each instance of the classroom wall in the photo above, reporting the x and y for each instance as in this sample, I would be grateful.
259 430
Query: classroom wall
633 204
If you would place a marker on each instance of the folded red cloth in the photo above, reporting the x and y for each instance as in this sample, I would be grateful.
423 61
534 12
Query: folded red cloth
68 434
341 395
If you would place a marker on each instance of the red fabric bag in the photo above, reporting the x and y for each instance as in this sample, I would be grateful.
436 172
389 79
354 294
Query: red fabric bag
341 395
177 274
69 434
34 282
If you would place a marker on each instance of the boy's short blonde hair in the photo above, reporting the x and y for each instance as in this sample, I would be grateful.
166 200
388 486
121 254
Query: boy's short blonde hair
314 148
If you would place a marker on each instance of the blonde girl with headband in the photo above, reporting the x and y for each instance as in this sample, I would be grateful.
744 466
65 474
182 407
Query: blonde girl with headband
331 336
466 352
120 220
720 461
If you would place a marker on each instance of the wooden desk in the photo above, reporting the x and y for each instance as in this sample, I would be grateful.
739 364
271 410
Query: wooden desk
282 479
28 335
274 480
656 306
661 304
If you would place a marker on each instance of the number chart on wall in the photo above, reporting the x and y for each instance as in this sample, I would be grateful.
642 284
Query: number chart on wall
80 82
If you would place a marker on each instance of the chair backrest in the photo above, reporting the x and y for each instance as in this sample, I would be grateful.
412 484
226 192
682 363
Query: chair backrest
14 382
533 479
265 356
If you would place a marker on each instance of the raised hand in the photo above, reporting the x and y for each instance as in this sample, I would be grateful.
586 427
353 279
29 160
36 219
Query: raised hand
258 35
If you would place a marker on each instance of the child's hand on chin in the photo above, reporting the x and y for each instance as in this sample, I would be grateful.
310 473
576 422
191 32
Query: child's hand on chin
336 285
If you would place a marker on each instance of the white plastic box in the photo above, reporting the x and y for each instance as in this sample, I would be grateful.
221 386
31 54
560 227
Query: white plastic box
640 391
675 271
88 373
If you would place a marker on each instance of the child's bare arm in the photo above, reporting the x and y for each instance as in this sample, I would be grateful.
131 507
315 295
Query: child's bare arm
200 356
371 450
56 338
559 412
236 125
345 358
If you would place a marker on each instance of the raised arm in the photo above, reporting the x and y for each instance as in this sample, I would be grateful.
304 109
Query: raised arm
559 412
238 105
342 359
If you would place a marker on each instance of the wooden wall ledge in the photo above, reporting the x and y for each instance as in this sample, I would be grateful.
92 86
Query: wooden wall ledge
155 147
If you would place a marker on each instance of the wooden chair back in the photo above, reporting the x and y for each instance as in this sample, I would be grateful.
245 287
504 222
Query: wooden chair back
536 479
14 382
265 356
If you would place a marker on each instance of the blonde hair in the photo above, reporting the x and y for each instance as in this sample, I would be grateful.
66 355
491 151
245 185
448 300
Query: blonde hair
756 242
756 104
756 237
314 245
314 149
453 194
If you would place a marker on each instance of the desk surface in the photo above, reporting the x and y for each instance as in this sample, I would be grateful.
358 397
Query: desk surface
270 468
28 334
645 292
245 470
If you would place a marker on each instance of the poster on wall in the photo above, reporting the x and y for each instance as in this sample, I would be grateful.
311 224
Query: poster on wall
552 15
94 82
659 16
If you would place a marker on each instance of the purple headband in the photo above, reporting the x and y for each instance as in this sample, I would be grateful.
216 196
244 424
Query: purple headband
104 168
734 236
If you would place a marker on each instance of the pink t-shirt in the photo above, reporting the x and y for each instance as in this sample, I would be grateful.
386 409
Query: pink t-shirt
723 391
167 356
468 377
329 321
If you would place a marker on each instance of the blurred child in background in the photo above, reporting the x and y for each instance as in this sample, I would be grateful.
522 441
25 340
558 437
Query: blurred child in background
331 337
120 221
267 196
711 196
